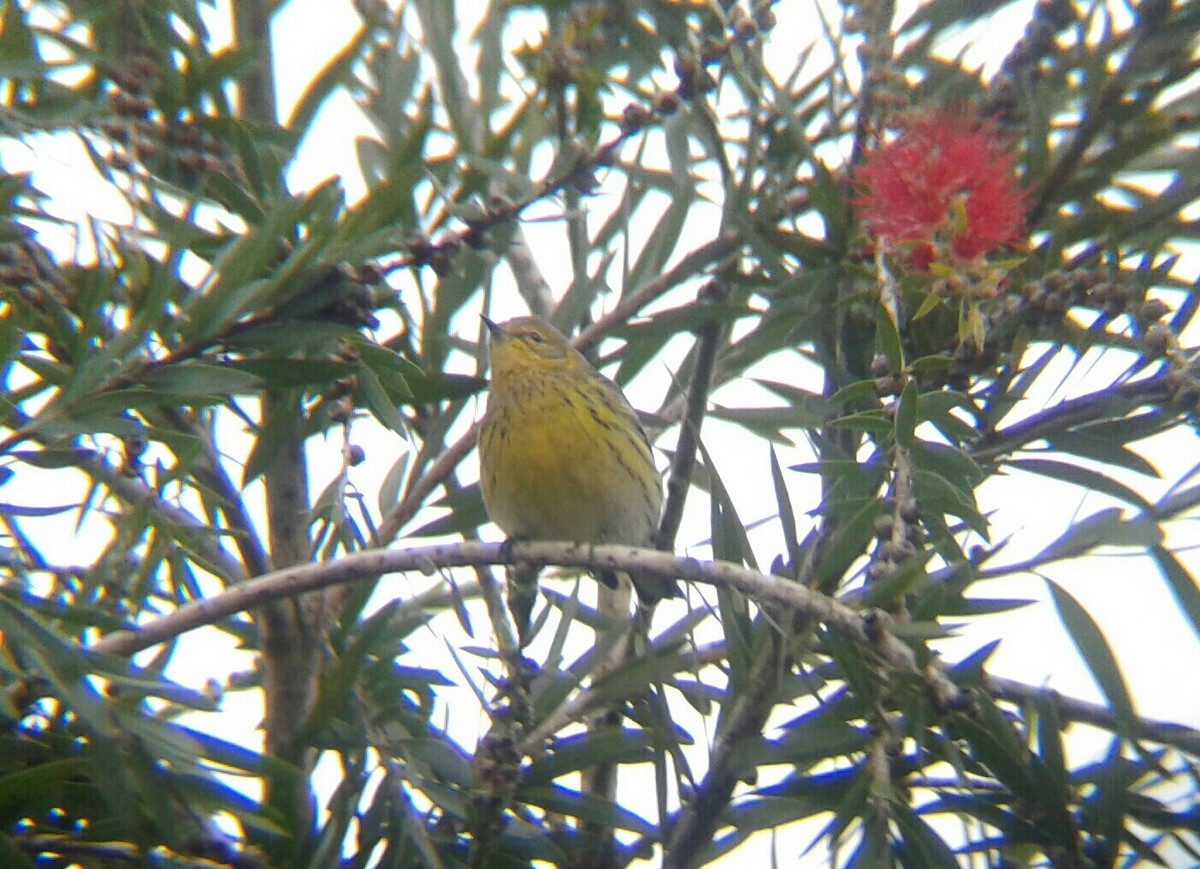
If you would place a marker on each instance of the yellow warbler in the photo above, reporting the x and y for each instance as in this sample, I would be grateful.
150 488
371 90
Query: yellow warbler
562 455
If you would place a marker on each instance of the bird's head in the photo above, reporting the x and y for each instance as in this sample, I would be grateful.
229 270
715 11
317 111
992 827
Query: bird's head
528 345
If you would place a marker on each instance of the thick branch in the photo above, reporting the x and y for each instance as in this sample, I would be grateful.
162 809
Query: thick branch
256 85
291 631
293 581
869 628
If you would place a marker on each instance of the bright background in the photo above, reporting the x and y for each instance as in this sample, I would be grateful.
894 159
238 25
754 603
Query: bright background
1121 589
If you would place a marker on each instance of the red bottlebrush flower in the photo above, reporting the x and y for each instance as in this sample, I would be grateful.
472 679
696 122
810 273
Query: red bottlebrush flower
943 178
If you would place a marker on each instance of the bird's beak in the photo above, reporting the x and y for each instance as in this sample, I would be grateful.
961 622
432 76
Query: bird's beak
492 327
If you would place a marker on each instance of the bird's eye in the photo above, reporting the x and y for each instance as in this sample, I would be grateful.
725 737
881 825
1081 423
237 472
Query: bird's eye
534 337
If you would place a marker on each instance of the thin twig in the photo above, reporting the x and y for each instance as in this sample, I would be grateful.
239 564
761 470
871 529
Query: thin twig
691 265
136 493
210 472
680 478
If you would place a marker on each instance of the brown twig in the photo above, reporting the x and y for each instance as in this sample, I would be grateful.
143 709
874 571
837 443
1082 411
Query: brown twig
210 473
700 816
679 480
293 581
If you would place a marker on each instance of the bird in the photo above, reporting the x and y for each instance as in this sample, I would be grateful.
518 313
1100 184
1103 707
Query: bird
562 454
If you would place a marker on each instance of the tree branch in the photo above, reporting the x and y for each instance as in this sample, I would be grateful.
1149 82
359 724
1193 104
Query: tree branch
136 493
679 480
210 472
292 581
699 817
869 628
691 265
256 84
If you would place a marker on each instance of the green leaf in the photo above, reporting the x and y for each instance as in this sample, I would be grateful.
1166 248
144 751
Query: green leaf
60 663
1098 656
1083 477
580 751
888 339
1109 811
586 807
337 72
907 415
287 339
378 401
271 437
919 845
814 738
765 422
953 464
1181 582
445 760
905 579
986 606
853 804
787 517
10 853
281 373
871 421
970 670
853 393
631 678
767 813
936 492
937 408
194 379
850 540
1052 766
467 513
249 277
995 744
1105 528
1107 443
408 383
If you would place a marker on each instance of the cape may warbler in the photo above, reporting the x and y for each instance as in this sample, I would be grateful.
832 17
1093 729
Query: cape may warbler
562 455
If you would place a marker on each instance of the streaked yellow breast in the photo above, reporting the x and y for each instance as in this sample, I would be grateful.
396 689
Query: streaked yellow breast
562 458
